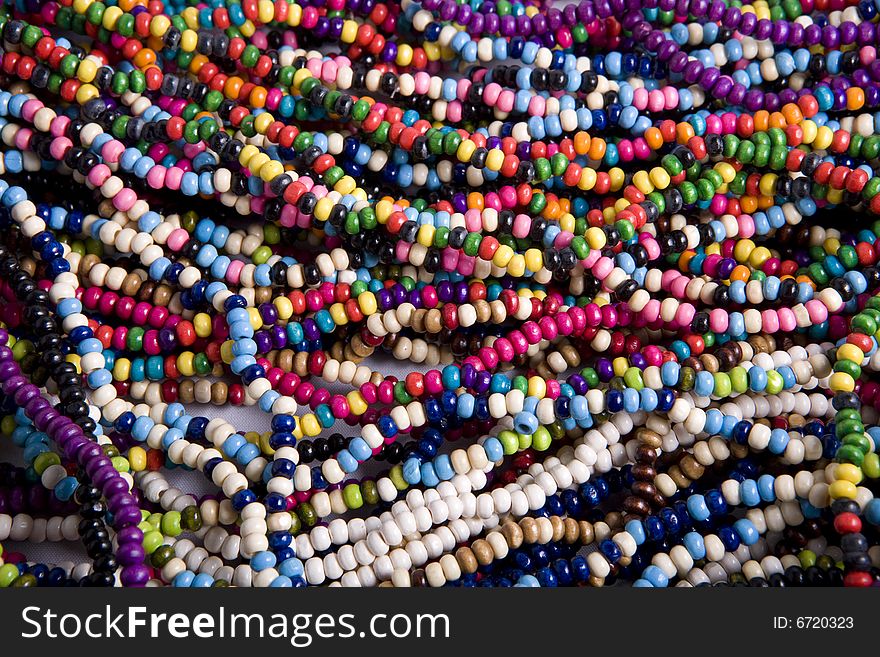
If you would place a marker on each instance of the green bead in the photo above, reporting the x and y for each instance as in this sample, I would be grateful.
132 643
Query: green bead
590 376
633 378
541 439
859 441
848 367
558 164
807 558
850 454
775 382
351 494
871 148
201 363
626 229
69 64
509 442
472 244
171 523
261 255
380 136
401 396
137 82
441 237
722 384
862 323
8 574
730 143
672 165
687 379
543 170
25 581
250 55
580 247
191 519
152 540
306 513
32 34
871 465
370 491
848 256
520 383
161 556
333 175
745 152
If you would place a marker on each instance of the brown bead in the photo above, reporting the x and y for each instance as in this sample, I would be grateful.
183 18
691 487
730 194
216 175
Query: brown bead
596 581
219 393
710 363
691 468
512 534
614 520
130 285
644 489
162 295
466 560
483 552
649 438
145 292
643 472
693 363
419 579
418 320
558 528
571 355
433 321
530 530
678 477
738 451
263 295
645 454
636 506
186 391
301 363
572 532
285 360
587 533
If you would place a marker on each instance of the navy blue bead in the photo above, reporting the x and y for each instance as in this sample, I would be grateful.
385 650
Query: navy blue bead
242 498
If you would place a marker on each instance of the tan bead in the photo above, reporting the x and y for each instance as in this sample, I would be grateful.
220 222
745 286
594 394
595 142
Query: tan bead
530 530
558 528
691 468
587 533
678 477
466 560
649 438
572 531
186 391
513 534
219 393
483 551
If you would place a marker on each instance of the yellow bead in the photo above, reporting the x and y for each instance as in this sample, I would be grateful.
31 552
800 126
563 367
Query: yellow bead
848 472
642 181
284 307
425 236
824 137
596 238
337 313
465 150
356 402
851 353
111 15
294 15
617 177
248 152
262 124
842 489
767 184
255 319
189 40
517 266
310 425
323 208
86 93
841 382
659 178
345 185
494 159
367 303
266 11
159 25
588 179
137 458
620 365
256 163
121 369
299 77
759 256
502 256
202 325
226 352
190 16
743 249
185 363
404 54
537 387
349 31
74 360
726 170
534 260
831 245
384 209
810 130
247 29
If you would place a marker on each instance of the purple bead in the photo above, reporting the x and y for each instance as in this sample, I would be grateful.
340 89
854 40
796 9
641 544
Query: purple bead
830 37
539 24
25 393
812 35
692 71
754 100
654 40
731 18
709 78
129 535
667 50
748 23
716 10
795 35
130 554
554 18
127 516
491 23
678 61
764 28
780 31
736 95
723 87
136 575
508 25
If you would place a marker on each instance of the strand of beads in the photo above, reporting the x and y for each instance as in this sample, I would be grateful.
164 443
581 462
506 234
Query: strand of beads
514 294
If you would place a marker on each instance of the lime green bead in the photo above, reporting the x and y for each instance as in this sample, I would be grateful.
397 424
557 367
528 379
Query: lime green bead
171 524
261 255
152 540
352 497
633 378
807 558
396 476
46 460
120 464
871 465
774 382
541 439
8 573
509 442
525 441
722 384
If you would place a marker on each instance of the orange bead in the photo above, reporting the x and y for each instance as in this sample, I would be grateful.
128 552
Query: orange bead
762 120
748 204
597 149
792 114
654 138
582 143
684 132
740 273
855 98
475 201
777 120
144 58
258 97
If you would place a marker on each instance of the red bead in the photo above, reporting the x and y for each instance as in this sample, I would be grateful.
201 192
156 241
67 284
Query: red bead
847 523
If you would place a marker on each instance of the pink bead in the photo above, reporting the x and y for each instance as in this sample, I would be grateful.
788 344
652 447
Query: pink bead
141 313
433 382
603 267
718 320
685 314
578 319
156 177
651 311
369 392
554 389
489 358
787 319
609 316
504 349
817 310
125 199
746 225
177 238
521 226
770 321
593 314
99 175
491 93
